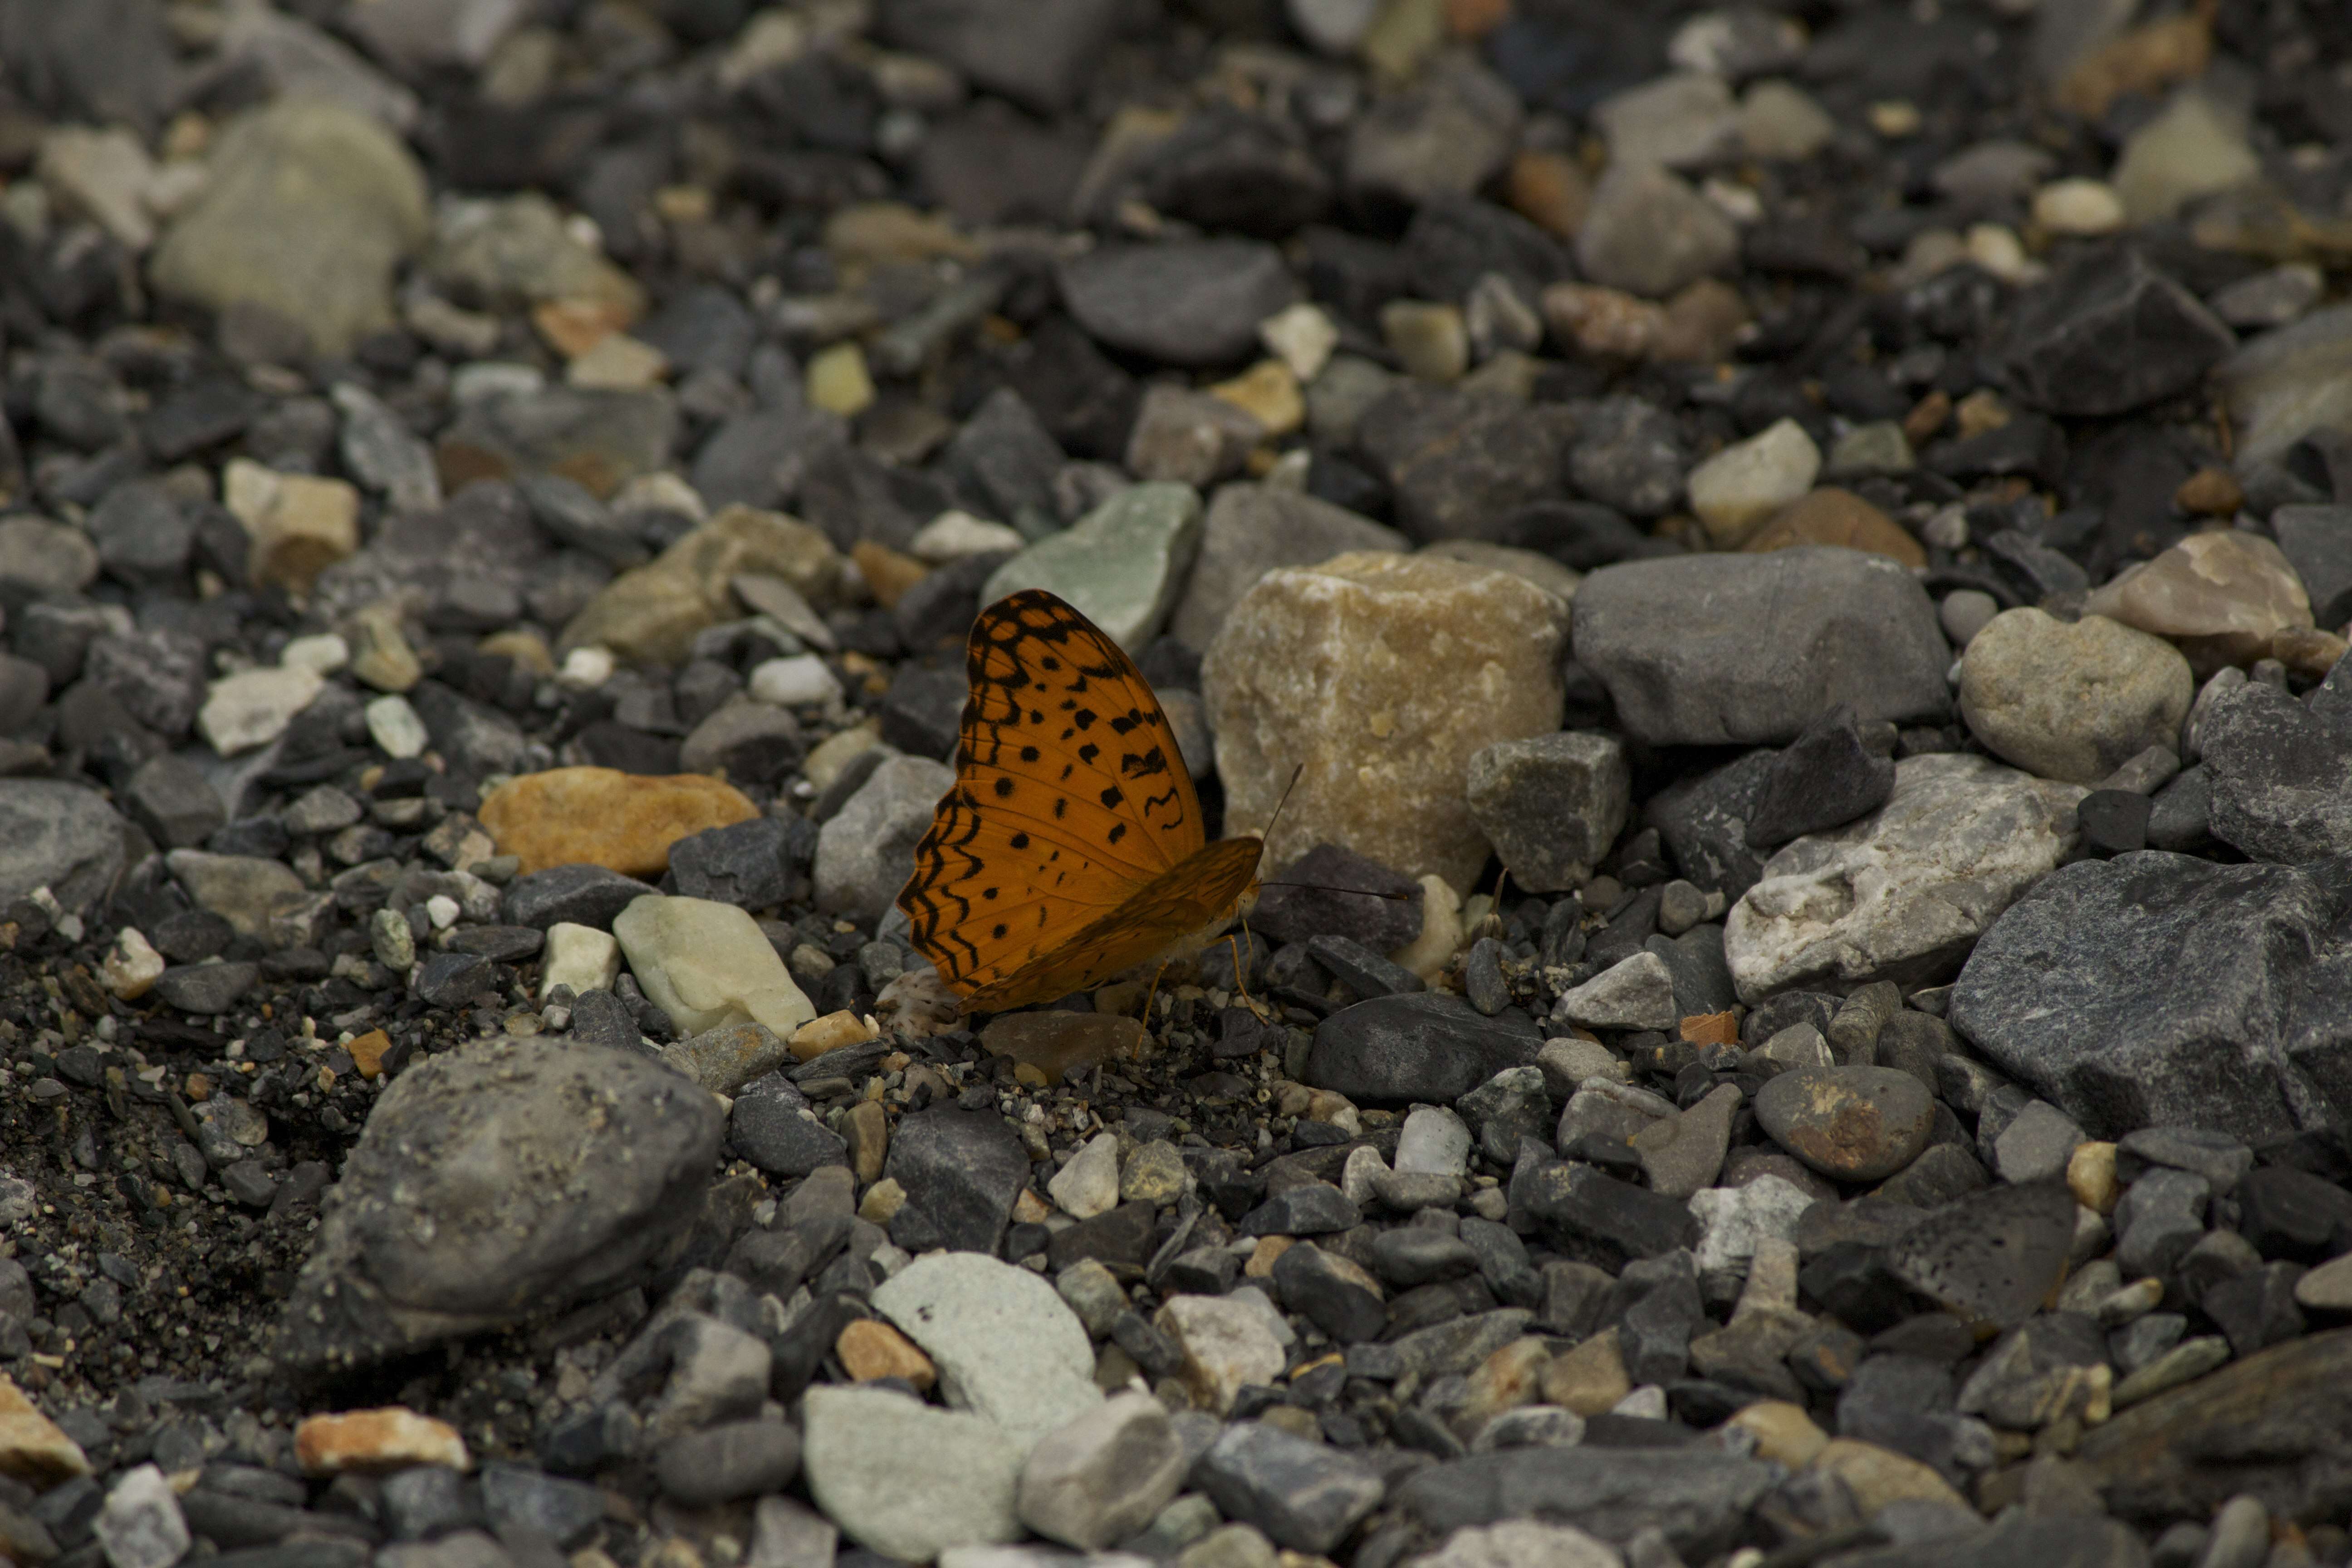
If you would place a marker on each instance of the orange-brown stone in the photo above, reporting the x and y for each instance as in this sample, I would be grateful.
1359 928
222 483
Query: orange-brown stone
1702 323
1834 516
601 816
887 572
1712 1028
871 1348
1927 416
1549 190
367 1052
2210 493
391 1438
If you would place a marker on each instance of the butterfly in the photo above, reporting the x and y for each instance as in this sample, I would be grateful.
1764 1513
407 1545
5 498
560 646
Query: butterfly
1071 847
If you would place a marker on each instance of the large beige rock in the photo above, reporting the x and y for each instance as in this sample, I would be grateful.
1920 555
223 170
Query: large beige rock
2074 700
309 210
2222 595
1380 675
652 612
708 965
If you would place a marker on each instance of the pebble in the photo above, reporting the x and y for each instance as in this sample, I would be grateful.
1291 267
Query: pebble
389 1438
1637 993
1854 1123
2222 595
1736 489
295 525
1251 529
855 1442
307 210
1960 839
1088 1185
139 1525
1308 671
2071 701
2192 148
865 852
1551 804
652 612
1303 1495
707 965
1650 233
1008 1347
58 835
254 707
1104 1476
1226 1345
1121 565
1187 303
601 816
1844 627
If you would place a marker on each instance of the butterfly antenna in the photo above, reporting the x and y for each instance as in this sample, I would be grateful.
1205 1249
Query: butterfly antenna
1268 833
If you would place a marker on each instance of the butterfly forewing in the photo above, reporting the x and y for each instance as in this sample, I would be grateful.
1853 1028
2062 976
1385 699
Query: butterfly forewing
1070 797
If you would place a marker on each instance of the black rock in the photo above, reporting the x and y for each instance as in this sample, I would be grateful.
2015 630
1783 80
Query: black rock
601 1018
775 1129
1006 457
1701 974
1704 821
752 865
961 1171
1184 302
2257 1309
1332 1295
1247 173
1303 1495
2294 1214
1461 466
2110 334
1429 1047
1311 1208
142 536
733 1459
922 710
1366 973
2113 821
206 988
1698 1496
170 798
1120 1238
579 894
1590 1213
2248 1022
2277 768
479 739
500 944
1332 891
1482 978
607 744
2180 814
453 979
2318 543
1825 778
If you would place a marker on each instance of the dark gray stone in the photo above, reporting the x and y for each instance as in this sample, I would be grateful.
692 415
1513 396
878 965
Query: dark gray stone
2246 1032
1627 454
158 675
1700 1498
2109 334
1594 1213
722 1463
752 865
58 835
1335 1299
2277 768
1305 1496
1430 1047
471 735
581 895
773 1128
142 536
960 1170
1039 55
1462 465
170 798
2318 543
1824 778
597 1161
1332 891
1722 650
453 979
206 988
521 1495
1005 457
1311 1208
1704 823
1184 302
1366 973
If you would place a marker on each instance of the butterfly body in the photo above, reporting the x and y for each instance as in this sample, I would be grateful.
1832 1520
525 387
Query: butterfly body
1071 846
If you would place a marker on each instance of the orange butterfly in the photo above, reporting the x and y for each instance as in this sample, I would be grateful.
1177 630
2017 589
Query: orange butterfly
1071 847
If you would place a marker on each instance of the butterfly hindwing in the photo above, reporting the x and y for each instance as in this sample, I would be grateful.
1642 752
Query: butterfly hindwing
1070 802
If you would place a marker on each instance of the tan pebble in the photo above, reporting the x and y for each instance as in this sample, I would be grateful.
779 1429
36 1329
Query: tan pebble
889 573
367 1052
574 326
1264 1256
1549 190
1589 1379
390 1438
1784 1433
601 816
829 1033
1833 516
871 1348
32 1448
2091 1176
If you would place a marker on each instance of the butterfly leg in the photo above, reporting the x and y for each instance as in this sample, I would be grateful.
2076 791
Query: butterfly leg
1151 995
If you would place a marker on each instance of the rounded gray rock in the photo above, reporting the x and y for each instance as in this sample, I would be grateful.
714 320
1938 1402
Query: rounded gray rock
61 836
1855 1123
1191 302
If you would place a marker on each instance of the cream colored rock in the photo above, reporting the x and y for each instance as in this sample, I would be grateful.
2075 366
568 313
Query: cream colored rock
2194 148
2223 595
131 965
2085 208
32 1448
1881 1475
253 707
2072 701
1902 893
1380 675
1735 490
579 956
297 525
1227 1344
707 964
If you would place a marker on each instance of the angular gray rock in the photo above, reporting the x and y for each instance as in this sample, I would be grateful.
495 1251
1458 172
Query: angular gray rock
1698 1496
2277 770
1552 804
1249 532
2156 988
1738 649
61 836
501 1179
865 851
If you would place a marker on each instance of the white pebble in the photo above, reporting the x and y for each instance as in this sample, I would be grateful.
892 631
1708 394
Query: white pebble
442 911
324 654
794 682
586 669
1301 337
394 727
2078 206
954 534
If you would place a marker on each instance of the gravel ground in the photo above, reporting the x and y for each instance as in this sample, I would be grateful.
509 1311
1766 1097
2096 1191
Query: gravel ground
1803 551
